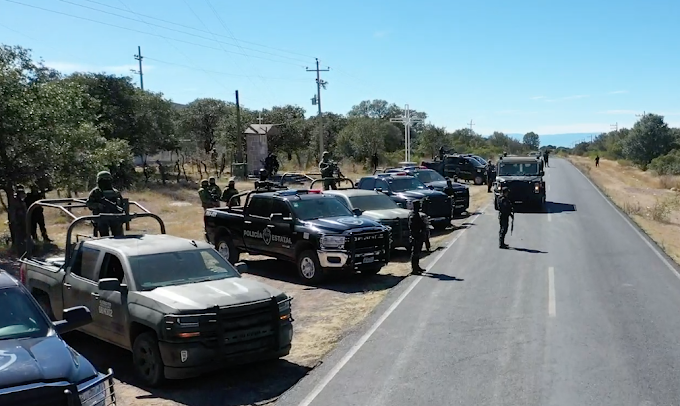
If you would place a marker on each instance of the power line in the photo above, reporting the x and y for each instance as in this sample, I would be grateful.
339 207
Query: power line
146 33
197 29
209 71
179 31
317 100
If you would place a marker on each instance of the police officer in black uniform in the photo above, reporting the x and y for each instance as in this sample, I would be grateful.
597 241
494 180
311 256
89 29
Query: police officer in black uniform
262 182
505 211
490 175
416 225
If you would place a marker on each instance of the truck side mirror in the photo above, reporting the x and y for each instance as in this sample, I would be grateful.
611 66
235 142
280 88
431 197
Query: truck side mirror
357 212
241 267
541 173
109 284
74 318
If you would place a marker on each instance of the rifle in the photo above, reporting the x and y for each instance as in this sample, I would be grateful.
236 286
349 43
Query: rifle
113 204
512 225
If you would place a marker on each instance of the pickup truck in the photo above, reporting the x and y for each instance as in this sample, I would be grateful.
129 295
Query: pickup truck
312 229
37 367
176 304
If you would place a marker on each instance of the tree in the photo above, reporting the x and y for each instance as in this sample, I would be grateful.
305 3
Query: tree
649 138
379 109
431 139
362 137
291 122
154 124
532 141
202 121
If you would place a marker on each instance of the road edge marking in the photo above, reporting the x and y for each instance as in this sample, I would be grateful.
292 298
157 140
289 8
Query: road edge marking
360 343
628 221
552 311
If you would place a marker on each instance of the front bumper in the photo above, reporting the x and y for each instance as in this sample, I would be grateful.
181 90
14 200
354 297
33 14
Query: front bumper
344 260
191 359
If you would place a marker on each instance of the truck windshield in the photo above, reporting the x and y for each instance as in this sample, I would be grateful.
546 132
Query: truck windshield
20 317
178 268
429 176
376 202
518 169
310 209
403 184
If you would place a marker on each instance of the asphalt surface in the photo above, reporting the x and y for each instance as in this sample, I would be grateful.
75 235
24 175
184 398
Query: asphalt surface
582 311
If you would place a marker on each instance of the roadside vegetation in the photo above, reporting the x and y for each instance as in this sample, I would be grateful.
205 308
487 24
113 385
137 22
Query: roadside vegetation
640 171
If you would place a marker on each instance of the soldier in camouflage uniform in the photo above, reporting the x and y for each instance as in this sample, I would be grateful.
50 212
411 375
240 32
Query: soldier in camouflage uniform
327 169
104 199
204 195
215 192
230 192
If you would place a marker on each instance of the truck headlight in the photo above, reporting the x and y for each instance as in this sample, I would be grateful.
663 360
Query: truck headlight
537 187
95 396
332 241
189 326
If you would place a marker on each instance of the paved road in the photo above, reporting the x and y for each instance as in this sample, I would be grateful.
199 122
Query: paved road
582 312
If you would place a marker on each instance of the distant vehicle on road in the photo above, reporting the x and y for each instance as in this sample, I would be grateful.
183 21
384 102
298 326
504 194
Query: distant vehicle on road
523 176
176 304
36 366
460 167
309 228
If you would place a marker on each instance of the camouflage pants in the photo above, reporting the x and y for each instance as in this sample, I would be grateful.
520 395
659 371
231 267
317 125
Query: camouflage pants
106 228
505 224
329 184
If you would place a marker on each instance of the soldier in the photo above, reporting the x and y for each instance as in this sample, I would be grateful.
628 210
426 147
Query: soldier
104 199
441 153
505 211
546 155
38 216
21 208
490 175
262 182
597 160
274 164
417 226
327 169
229 192
505 154
204 195
374 161
214 191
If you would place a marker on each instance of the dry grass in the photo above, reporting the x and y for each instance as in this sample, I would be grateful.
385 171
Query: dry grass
651 201
322 315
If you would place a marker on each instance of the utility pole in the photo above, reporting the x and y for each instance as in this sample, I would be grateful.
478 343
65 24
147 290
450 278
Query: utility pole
316 100
471 123
614 127
407 120
644 113
139 72
239 136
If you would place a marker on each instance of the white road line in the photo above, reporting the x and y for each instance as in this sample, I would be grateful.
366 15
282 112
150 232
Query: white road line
628 221
356 347
549 216
551 292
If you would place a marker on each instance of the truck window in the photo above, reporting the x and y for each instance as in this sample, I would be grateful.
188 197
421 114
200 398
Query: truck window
112 268
85 262
381 184
280 206
260 206
367 183
178 268
20 317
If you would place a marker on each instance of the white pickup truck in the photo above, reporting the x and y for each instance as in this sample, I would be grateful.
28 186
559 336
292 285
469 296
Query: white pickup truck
175 303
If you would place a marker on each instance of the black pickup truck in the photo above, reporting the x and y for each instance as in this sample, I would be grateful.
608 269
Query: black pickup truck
307 227
37 367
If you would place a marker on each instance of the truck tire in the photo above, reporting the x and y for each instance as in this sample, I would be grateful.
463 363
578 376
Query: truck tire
479 180
309 268
371 271
147 360
225 246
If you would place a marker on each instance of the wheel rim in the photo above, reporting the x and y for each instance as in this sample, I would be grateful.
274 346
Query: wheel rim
223 249
307 268
145 361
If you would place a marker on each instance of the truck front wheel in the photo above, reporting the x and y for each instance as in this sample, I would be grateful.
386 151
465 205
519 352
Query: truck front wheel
478 180
309 268
225 246
147 359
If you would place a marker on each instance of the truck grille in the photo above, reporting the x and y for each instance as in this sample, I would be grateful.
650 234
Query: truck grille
437 207
369 241
461 197
520 190
248 327
42 396
400 229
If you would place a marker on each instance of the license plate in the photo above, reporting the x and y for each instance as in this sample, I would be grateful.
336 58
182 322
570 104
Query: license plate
368 260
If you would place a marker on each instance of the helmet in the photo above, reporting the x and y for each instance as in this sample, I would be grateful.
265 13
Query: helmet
20 189
232 180
104 175
212 179
325 154
204 182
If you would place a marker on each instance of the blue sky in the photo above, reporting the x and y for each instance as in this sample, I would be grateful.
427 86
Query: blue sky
514 66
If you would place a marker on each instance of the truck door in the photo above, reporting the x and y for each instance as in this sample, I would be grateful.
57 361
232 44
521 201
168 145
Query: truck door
281 240
80 283
111 315
255 221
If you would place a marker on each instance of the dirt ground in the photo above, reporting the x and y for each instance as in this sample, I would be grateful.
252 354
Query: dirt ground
652 201
322 315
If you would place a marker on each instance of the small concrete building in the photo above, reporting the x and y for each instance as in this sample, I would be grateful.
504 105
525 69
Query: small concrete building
257 136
